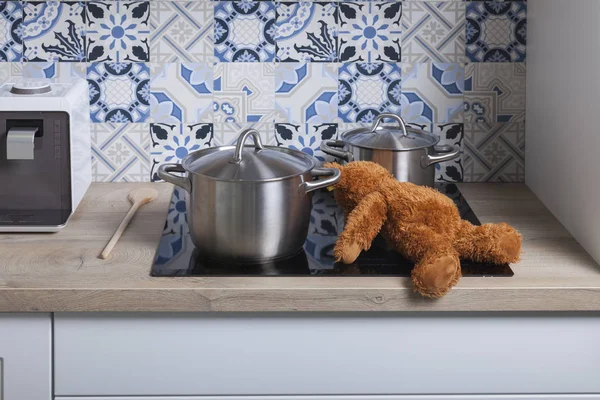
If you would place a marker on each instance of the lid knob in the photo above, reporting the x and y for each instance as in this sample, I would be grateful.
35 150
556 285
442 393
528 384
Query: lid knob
395 117
237 155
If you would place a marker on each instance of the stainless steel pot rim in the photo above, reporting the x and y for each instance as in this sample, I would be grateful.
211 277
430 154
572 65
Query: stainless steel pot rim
368 130
199 153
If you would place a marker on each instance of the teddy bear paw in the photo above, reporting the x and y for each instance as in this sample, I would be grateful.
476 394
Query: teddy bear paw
510 245
436 277
347 253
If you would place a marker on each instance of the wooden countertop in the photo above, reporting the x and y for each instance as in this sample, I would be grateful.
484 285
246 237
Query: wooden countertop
61 271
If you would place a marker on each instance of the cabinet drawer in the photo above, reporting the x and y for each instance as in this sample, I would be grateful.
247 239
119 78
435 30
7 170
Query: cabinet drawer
204 354
25 357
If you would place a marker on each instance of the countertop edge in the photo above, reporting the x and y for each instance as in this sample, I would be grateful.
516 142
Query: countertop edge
301 300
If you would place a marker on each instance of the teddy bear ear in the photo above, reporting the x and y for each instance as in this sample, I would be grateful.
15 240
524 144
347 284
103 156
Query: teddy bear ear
333 165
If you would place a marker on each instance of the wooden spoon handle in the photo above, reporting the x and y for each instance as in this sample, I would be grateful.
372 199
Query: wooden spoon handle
115 238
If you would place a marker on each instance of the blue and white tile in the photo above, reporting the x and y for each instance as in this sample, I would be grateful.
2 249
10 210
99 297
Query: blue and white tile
433 93
370 31
118 31
306 92
54 31
181 31
227 133
451 134
119 92
494 152
365 90
495 92
171 143
244 92
11 31
496 31
120 152
306 138
10 71
307 31
181 93
58 72
433 31
244 31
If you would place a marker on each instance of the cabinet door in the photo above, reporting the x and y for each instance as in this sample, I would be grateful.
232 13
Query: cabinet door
25 357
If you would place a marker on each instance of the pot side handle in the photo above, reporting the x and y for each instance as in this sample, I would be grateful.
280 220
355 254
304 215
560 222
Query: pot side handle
334 177
164 172
332 147
443 153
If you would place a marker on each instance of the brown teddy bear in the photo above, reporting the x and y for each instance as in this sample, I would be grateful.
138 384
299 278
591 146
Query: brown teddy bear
421 223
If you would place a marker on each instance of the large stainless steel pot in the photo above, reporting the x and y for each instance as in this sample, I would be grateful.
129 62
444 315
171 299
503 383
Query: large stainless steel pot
248 203
409 154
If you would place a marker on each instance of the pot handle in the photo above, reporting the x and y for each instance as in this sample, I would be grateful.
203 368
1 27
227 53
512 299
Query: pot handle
443 153
331 147
334 174
164 172
379 119
237 156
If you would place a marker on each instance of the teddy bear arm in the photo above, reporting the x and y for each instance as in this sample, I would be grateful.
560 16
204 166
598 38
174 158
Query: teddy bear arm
495 243
363 224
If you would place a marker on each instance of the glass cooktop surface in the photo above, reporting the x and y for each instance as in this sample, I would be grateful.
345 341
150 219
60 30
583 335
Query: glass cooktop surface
177 256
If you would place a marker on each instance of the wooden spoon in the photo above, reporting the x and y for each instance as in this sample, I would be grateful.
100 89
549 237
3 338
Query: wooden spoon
138 198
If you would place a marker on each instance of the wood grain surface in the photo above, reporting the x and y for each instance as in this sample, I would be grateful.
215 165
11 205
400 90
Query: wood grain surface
61 271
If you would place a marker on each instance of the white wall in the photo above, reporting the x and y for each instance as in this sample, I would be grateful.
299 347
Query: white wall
563 113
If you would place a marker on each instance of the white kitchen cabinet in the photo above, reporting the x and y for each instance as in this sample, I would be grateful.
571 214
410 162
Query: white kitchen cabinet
26 357
423 397
376 354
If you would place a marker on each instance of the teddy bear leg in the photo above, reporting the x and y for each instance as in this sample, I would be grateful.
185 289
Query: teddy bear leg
362 225
495 243
437 267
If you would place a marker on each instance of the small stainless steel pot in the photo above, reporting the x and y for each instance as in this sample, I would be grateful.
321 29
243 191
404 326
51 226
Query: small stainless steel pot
409 154
248 203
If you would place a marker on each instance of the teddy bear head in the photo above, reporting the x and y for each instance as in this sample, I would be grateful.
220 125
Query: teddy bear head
359 178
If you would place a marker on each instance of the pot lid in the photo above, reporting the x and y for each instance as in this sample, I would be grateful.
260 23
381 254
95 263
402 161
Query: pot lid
390 138
248 163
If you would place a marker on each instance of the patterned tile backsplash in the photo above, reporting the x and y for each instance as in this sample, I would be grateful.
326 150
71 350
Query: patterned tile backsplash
170 77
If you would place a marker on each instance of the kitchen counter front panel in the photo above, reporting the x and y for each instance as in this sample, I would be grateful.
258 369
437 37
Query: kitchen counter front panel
250 354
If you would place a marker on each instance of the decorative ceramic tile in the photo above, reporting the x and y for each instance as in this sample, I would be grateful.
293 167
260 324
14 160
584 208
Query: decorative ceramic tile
120 152
181 31
119 92
244 31
11 31
118 30
306 138
367 89
495 92
58 72
370 31
182 92
10 71
433 31
306 92
451 135
307 31
172 142
227 133
54 31
244 92
496 31
433 92
494 153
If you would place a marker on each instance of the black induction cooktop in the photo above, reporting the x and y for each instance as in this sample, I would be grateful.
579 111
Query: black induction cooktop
177 256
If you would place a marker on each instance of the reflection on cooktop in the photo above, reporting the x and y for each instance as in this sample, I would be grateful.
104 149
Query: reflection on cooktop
177 256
